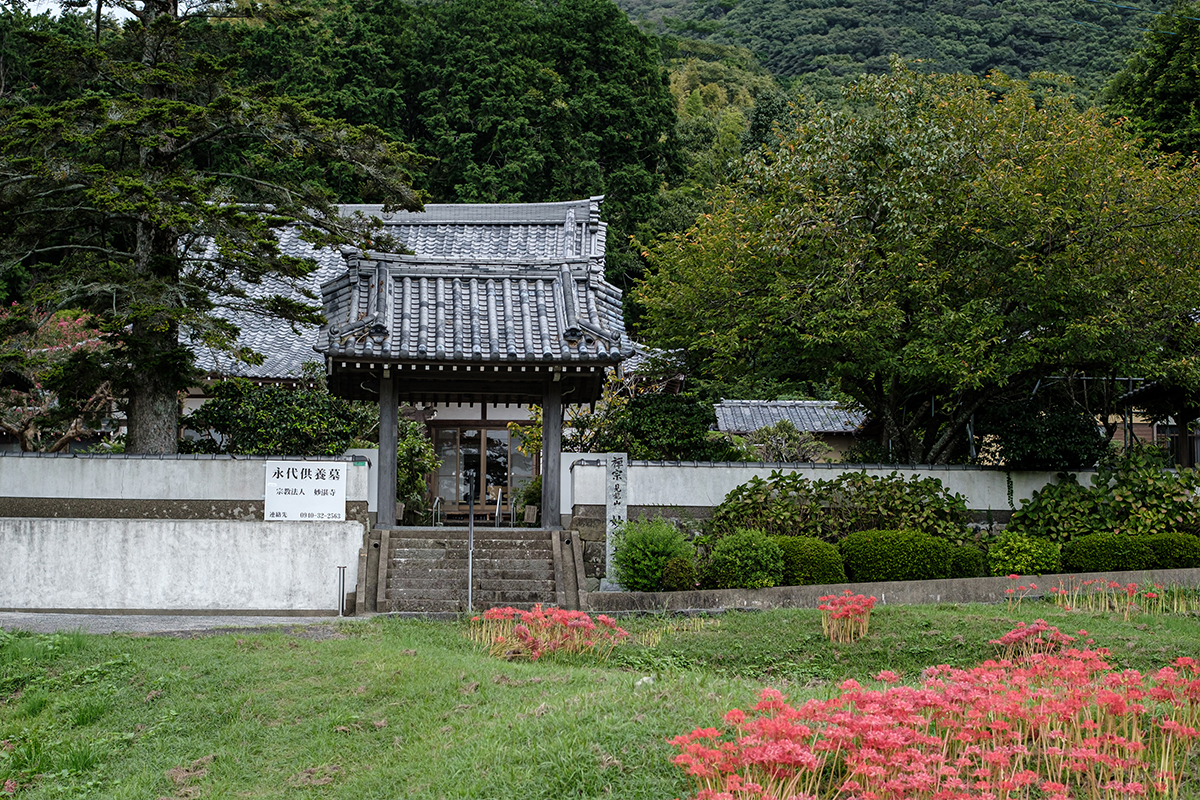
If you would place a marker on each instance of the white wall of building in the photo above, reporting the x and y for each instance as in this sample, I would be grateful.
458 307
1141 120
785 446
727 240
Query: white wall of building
697 484
182 478
175 565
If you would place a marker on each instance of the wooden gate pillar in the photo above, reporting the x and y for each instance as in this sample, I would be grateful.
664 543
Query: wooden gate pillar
389 411
552 417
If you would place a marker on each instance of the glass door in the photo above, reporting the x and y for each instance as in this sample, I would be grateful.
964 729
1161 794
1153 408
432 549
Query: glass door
484 462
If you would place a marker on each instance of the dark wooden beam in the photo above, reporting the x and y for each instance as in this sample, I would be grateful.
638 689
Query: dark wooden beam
551 454
1184 455
389 409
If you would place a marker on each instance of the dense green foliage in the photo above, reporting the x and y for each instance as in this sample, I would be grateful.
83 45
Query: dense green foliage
114 188
791 505
512 102
1174 550
1159 86
680 575
968 561
53 386
1016 553
808 561
1108 552
847 37
244 419
936 247
780 442
743 559
1034 437
1134 495
672 427
643 548
895 555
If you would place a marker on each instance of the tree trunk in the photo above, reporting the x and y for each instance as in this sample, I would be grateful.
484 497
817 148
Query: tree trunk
153 422
153 410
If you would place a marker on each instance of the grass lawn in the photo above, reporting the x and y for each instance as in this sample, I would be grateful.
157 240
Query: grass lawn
389 709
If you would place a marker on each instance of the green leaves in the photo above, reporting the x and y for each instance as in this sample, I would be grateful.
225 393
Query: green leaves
938 246
151 191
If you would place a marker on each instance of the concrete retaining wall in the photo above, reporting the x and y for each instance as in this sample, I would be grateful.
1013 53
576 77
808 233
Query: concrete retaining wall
204 566
150 487
695 488
957 590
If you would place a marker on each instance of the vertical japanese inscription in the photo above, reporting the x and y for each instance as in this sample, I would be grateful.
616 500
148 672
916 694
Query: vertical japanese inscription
616 511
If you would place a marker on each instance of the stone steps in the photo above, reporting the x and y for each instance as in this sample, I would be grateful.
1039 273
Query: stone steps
419 572
427 569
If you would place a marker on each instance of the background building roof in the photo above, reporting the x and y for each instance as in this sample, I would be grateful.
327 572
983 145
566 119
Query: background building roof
519 282
815 416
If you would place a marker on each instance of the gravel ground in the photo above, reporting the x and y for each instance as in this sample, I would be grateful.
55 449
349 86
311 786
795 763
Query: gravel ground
164 625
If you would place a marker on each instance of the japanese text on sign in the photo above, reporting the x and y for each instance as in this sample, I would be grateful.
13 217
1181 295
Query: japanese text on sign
305 492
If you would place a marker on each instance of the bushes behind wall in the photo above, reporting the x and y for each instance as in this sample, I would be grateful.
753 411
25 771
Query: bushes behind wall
791 505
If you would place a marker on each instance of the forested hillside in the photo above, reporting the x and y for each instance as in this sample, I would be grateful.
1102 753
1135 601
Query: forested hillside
1087 39
508 102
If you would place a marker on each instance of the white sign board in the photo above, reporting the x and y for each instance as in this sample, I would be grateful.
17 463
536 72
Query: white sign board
305 491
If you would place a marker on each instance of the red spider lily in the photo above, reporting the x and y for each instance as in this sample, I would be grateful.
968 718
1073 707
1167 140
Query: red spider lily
512 633
1100 595
845 617
1055 724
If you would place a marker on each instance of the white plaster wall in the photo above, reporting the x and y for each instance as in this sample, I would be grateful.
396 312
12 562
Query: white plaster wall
148 478
664 484
470 412
179 565
372 458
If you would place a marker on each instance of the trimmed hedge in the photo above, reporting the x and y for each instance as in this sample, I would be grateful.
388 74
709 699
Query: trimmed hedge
680 575
808 561
1022 554
1175 550
967 561
870 556
643 549
1108 552
745 559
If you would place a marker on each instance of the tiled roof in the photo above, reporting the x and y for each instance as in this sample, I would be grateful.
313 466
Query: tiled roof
285 350
528 290
502 282
814 416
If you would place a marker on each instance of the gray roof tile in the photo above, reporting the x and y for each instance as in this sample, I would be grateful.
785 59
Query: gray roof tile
814 416
501 282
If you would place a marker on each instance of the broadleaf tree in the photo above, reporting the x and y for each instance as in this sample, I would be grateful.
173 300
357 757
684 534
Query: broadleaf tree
940 244
151 195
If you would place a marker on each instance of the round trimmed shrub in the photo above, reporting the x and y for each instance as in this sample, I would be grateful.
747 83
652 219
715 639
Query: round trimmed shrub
679 575
871 556
1175 550
1022 554
1108 552
642 550
967 561
744 559
807 561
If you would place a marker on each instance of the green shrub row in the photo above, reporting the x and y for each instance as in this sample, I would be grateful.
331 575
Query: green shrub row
1134 495
791 505
1116 552
1018 552
655 556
